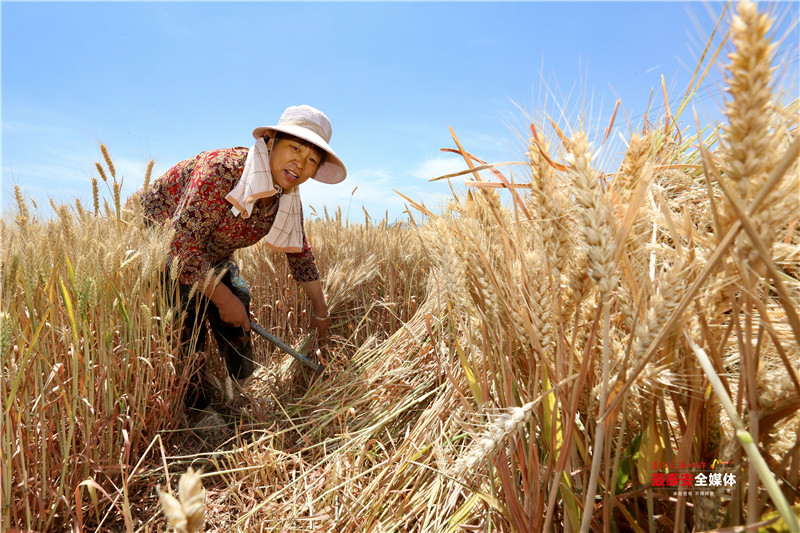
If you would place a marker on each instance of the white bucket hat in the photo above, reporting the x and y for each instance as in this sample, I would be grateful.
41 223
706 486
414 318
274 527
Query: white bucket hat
312 125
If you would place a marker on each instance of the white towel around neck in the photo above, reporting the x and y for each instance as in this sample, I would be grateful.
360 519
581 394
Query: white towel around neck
286 234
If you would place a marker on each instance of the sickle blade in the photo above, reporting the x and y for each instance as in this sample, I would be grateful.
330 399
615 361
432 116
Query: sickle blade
286 348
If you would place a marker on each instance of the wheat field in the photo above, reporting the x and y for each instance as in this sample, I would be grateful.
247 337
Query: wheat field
543 355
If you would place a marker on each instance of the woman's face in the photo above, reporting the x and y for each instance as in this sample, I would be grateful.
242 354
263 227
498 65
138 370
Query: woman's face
293 161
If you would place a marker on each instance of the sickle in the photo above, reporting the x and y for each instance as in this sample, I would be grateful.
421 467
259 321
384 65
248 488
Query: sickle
286 348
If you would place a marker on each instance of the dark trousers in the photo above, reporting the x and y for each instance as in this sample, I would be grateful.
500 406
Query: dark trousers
233 342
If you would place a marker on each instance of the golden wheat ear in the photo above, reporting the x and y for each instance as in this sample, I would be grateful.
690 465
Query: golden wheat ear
187 514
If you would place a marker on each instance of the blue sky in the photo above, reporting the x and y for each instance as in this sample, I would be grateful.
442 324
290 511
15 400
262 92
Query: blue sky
167 80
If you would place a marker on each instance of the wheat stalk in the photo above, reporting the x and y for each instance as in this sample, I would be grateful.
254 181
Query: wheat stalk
186 513
598 238
750 148
23 216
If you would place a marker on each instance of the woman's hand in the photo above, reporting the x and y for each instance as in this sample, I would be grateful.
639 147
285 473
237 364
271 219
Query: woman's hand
235 314
321 324
231 309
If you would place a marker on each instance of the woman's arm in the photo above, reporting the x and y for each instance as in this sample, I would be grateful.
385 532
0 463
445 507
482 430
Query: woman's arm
231 309
320 318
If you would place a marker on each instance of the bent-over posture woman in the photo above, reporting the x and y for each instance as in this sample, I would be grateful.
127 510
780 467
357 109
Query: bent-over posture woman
222 200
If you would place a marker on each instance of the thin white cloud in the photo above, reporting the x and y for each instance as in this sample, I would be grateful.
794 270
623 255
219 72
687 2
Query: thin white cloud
439 166
45 131
491 148
64 173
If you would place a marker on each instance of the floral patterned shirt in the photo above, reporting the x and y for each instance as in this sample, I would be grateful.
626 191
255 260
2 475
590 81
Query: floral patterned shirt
190 197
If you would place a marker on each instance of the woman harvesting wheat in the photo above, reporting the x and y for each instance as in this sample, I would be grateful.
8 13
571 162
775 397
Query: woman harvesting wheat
223 200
